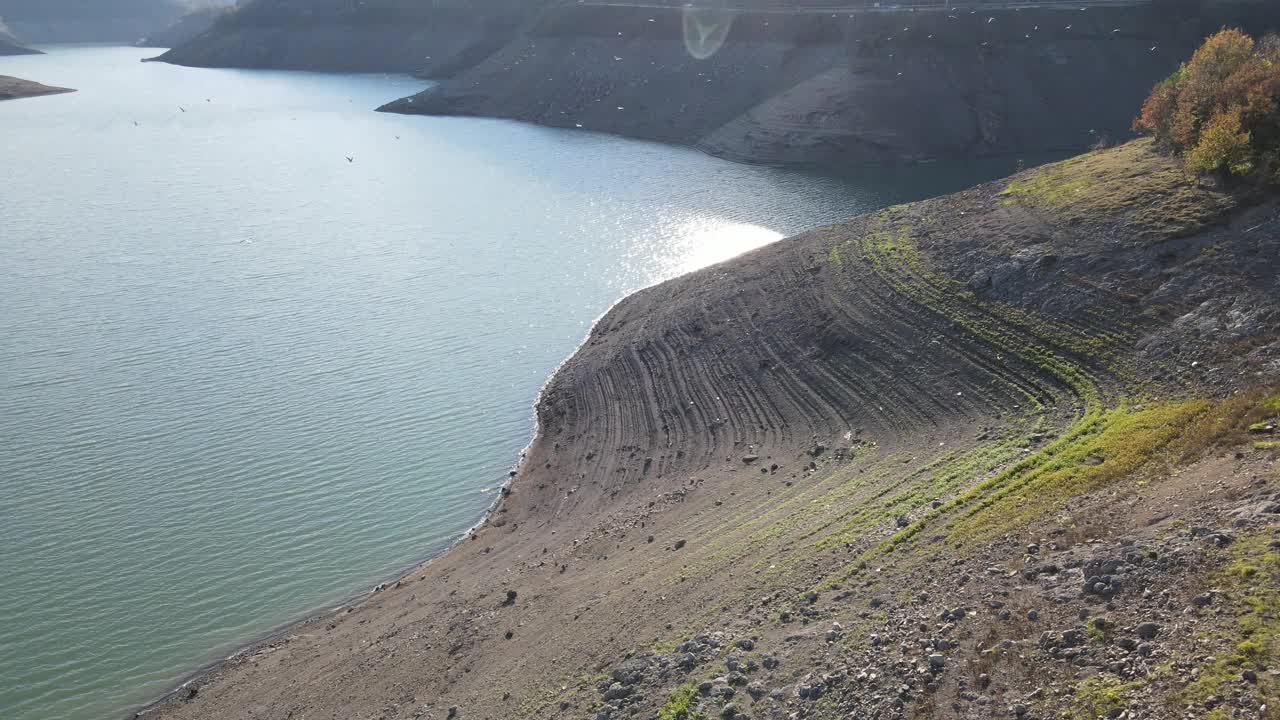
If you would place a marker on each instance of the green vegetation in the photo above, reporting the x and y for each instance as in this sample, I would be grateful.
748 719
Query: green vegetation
1271 404
1251 584
1101 696
679 704
1131 182
1220 108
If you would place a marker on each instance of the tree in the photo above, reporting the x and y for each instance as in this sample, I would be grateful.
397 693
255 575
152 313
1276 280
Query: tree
1222 107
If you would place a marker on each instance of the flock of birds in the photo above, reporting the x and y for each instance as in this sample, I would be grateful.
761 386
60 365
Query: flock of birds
350 158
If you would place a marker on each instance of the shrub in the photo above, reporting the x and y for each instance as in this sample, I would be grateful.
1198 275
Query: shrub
1223 145
1222 107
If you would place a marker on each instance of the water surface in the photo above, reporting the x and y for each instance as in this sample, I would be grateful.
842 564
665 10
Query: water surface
261 348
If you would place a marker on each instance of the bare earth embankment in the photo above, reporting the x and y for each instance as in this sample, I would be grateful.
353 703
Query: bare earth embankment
12 88
1005 453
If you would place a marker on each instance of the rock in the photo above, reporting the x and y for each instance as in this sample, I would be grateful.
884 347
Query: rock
937 662
769 662
616 691
835 632
756 691
1202 600
1033 615
748 459
902 521
679 544
1249 676
729 711
1072 638
453 712
511 597
746 644
631 671
1148 630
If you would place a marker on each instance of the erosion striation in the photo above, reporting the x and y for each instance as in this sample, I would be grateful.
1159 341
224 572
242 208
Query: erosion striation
1009 452
12 88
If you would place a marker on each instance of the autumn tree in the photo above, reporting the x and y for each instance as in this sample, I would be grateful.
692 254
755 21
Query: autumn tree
1221 109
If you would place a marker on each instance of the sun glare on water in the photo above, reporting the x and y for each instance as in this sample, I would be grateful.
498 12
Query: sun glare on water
704 242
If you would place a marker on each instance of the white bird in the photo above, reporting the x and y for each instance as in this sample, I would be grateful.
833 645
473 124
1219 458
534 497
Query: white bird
1153 48
990 20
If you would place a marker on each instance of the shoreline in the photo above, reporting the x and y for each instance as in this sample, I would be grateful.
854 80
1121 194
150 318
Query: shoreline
358 599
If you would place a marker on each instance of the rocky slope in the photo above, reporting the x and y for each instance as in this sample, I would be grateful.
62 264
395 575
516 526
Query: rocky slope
12 88
1003 453
830 90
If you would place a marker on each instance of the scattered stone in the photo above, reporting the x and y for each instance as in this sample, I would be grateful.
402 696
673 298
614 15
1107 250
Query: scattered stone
1148 630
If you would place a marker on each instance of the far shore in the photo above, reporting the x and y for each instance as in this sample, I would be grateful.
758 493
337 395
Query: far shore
12 88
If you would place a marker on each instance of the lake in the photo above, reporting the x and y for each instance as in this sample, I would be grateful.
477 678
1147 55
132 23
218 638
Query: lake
262 348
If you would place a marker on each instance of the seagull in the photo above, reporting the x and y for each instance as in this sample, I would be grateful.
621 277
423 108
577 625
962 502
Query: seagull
1068 27
1153 48
990 20
182 108
397 137
135 123
1113 32
350 159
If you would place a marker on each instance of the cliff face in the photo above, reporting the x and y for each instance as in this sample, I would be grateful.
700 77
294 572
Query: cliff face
831 90
342 36
874 470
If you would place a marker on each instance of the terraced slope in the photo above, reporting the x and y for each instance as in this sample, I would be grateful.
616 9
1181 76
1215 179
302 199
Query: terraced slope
980 455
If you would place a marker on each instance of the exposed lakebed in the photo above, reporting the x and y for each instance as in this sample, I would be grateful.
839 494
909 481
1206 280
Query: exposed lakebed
263 347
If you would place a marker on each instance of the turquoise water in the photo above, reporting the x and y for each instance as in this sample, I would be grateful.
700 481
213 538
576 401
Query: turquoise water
243 378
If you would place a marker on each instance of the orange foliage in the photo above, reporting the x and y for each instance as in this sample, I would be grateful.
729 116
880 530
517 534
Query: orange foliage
1222 107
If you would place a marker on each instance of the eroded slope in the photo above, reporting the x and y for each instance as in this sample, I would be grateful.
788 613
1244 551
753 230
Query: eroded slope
896 467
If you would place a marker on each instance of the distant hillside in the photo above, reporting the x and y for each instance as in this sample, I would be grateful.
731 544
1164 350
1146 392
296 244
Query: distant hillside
186 29
772 82
371 36
59 21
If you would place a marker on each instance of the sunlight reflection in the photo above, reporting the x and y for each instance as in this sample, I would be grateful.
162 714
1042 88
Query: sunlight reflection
700 242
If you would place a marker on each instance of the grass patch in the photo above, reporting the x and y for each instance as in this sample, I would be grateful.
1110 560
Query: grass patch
680 704
1101 696
1130 182
1250 582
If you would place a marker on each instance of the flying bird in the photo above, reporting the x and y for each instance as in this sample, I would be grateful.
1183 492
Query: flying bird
350 159
182 108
